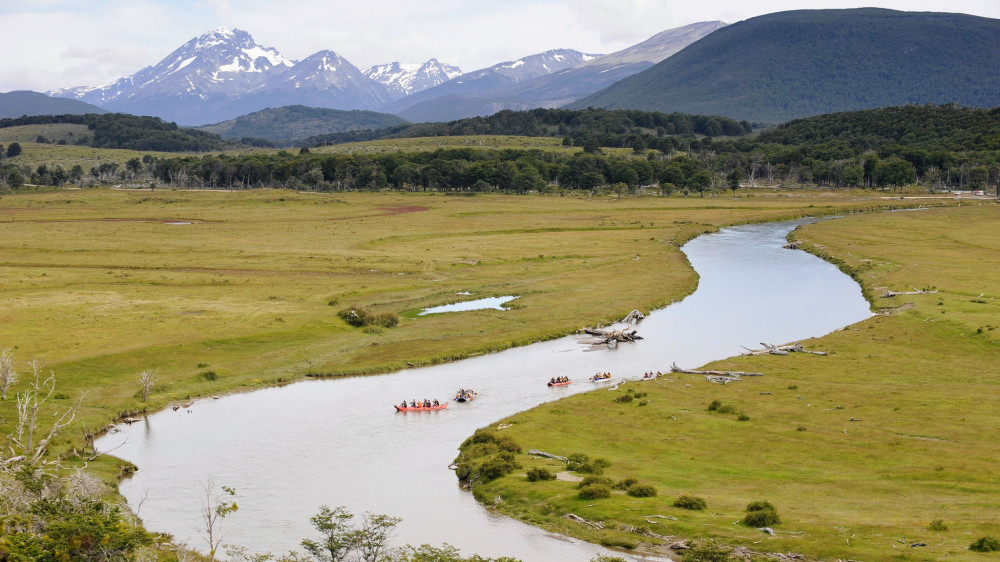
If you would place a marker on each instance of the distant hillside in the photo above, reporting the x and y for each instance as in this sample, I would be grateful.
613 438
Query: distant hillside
120 130
786 65
618 128
284 124
916 127
24 102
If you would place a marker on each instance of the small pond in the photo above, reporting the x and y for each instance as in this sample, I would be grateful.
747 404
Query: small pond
496 303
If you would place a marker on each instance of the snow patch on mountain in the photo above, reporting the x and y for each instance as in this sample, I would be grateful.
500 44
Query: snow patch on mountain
403 79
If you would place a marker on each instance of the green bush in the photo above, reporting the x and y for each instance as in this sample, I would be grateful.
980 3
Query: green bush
937 525
500 465
708 551
694 503
985 544
578 462
760 506
624 483
209 376
761 514
590 480
727 409
624 398
641 491
742 417
714 405
540 473
360 317
594 492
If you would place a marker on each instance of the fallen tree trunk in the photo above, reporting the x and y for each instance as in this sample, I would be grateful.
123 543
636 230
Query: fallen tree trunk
889 294
538 453
771 349
675 369
611 337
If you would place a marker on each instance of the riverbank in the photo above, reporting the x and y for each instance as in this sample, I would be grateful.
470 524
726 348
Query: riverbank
219 292
883 449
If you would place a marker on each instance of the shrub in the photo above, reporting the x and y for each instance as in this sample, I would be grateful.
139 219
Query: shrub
590 480
707 551
360 317
641 491
742 417
209 375
760 506
714 405
624 398
727 409
624 483
937 525
540 473
500 465
985 544
693 503
578 462
761 514
594 492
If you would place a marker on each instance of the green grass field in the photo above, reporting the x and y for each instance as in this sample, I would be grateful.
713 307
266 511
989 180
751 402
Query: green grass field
102 284
859 451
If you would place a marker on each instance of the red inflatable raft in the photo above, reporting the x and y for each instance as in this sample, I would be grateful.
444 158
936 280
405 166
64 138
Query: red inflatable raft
420 408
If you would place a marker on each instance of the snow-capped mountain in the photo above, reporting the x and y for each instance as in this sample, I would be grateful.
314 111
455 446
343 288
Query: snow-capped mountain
324 79
554 89
207 70
471 84
403 79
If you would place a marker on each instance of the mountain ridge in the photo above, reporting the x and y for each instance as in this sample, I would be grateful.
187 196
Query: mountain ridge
786 65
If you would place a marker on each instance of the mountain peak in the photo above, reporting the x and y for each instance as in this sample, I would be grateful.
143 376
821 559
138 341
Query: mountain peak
403 79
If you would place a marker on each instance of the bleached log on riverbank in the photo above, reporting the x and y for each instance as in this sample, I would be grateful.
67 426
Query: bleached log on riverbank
675 369
538 453
889 294
771 349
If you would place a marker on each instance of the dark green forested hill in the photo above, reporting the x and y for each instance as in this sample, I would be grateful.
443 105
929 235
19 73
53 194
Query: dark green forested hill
782 66
293 122
923 127
121 130
609 128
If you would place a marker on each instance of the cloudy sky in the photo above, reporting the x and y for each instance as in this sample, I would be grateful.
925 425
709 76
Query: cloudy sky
48 44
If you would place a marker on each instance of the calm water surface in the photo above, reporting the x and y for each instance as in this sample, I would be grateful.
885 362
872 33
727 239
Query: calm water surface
289 450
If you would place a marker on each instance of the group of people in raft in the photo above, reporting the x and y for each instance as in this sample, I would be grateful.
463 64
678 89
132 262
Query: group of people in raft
651 375
600 376
464 394
423 404
557 380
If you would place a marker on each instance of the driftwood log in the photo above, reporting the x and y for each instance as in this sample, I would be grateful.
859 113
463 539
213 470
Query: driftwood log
632 317
889 294
538 453
583 521
771 349
612 337
675 369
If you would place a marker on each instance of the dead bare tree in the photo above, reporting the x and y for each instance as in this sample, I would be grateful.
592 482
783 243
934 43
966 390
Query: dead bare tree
8 375
24 447
214 509
148 379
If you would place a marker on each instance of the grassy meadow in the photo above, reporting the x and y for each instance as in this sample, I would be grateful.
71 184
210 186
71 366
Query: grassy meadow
99 285
861 451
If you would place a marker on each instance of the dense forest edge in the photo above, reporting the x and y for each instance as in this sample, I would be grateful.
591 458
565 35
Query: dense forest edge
939 147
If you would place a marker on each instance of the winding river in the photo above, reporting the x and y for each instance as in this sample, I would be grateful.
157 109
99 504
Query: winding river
289 450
